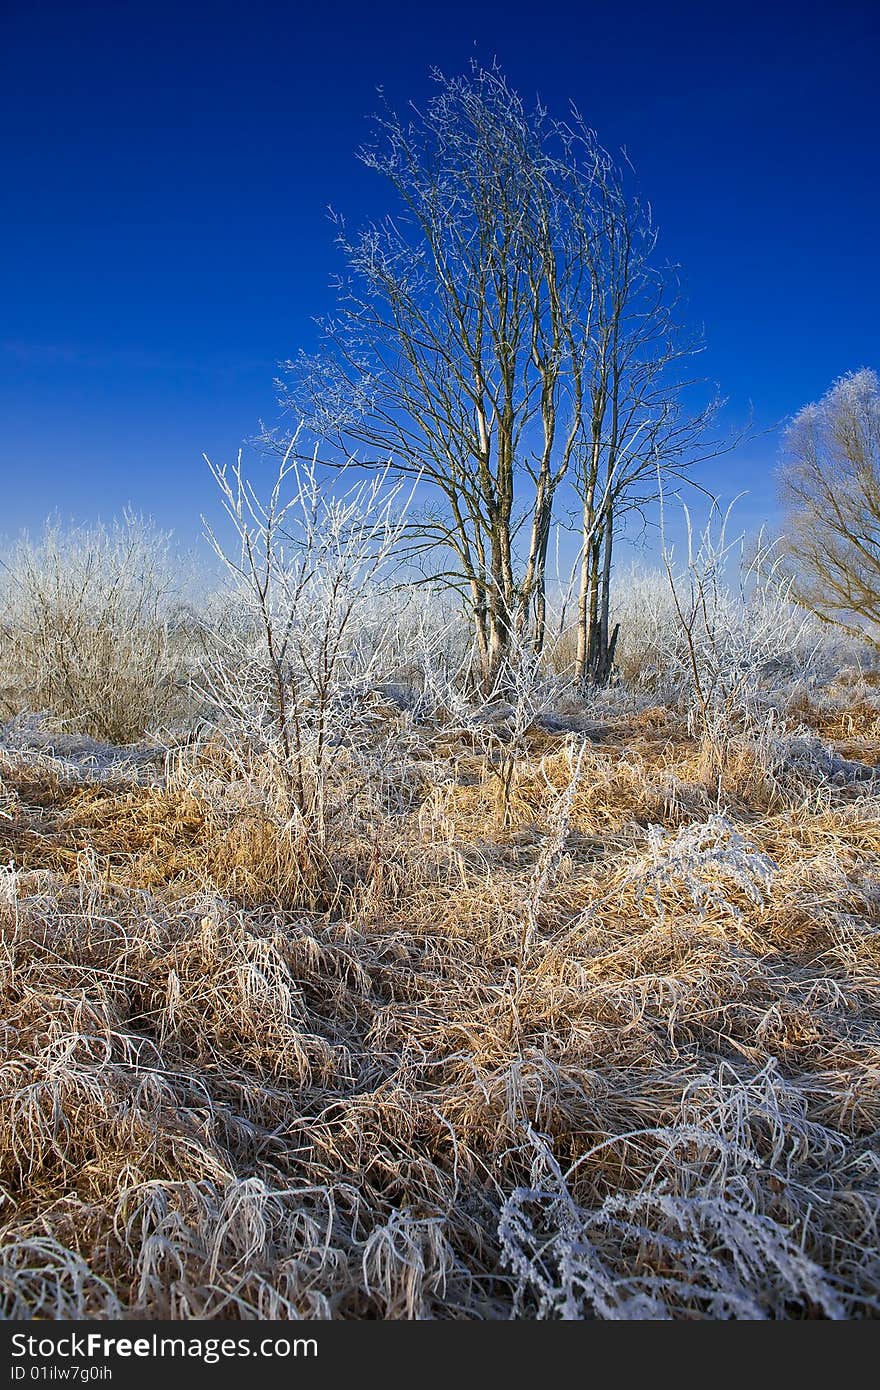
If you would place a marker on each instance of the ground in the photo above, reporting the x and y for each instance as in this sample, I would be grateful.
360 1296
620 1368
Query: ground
610 1049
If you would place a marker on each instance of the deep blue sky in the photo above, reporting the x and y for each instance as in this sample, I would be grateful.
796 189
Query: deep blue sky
166 170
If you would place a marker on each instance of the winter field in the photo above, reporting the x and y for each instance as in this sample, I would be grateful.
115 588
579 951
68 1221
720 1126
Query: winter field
364 995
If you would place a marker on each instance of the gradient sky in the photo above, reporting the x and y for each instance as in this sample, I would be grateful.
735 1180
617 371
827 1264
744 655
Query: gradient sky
166 171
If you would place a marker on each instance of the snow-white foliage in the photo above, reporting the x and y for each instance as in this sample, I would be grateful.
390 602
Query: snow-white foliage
800 752
776 644
649 647
829 496
700 866
696 1237
552 851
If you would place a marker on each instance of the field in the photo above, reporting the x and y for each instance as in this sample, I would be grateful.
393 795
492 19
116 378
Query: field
440 877
578 1023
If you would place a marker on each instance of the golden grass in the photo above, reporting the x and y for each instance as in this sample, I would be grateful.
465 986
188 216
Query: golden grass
438 1066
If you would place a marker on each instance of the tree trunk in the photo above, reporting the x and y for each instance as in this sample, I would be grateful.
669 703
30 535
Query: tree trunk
583 604
604 654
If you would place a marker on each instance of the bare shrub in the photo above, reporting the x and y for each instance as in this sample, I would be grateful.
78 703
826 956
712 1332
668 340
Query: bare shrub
89 632
287 676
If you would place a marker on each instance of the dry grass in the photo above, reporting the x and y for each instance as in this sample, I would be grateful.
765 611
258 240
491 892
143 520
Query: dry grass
617 1057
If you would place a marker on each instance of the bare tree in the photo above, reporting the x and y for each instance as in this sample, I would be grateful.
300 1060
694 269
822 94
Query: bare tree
830 492
639 425
462 337
506 332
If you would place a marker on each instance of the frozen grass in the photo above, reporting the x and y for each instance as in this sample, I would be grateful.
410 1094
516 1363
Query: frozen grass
608 1050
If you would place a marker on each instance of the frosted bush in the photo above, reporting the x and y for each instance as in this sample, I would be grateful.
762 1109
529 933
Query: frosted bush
700 865
718 1256
739 632
649 648
90 629
286 678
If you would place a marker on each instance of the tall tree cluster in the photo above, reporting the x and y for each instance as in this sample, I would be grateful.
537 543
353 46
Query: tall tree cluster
506 330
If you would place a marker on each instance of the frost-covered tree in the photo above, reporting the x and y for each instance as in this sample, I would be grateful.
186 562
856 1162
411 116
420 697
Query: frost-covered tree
461 339
830 491
497 336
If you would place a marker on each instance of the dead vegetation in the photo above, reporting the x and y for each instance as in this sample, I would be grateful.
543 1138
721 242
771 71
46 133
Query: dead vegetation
611 1053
